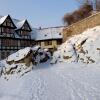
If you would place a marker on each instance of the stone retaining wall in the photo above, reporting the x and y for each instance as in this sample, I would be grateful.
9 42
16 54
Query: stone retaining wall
81 26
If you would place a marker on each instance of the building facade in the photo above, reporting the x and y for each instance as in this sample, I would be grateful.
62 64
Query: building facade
14 35
50 38
17 34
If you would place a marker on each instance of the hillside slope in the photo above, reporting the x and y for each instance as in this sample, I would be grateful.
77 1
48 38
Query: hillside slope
83 48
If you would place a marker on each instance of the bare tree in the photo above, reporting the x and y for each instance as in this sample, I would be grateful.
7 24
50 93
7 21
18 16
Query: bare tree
83 12
94 3
68 19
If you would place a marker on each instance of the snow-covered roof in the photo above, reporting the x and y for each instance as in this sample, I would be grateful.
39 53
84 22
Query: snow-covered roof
18 23
37 34
47 33
2 19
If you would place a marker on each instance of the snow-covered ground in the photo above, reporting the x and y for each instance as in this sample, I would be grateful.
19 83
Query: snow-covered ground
75 76
54 82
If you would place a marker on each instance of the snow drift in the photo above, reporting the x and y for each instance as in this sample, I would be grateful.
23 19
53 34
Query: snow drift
83 48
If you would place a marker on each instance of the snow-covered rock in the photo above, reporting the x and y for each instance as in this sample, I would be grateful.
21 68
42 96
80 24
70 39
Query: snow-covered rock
84 48
23 60
19 55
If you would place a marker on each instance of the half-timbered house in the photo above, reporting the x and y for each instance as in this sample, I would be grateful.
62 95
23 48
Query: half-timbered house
14 35
17 34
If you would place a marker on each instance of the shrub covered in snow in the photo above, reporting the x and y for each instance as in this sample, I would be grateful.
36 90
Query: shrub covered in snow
83 48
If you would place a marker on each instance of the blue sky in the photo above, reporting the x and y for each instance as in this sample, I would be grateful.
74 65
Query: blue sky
44 13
